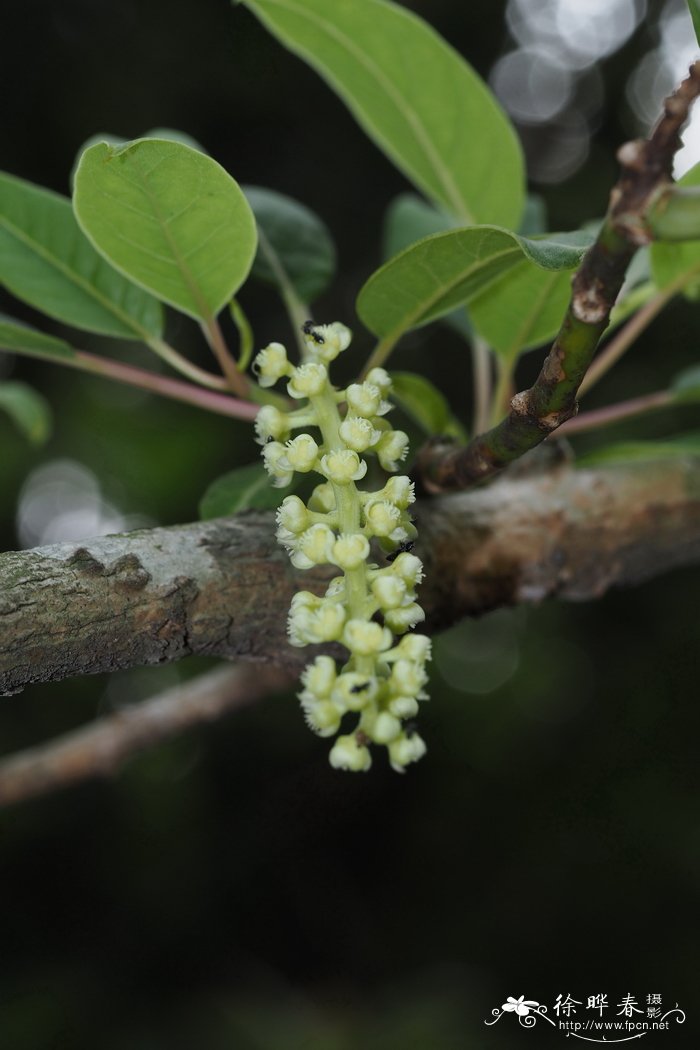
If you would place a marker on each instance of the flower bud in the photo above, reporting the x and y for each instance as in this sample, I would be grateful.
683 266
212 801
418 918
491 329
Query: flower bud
271 423
404 706
350 551
322 498
343 466
347 753
271 364
308 380
292 515
302 453
380 377
386 728
365 638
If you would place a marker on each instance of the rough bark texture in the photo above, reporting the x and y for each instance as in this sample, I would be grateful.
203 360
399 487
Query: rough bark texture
223 587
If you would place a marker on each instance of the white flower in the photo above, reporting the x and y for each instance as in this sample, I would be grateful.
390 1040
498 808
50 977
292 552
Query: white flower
392 449
390 591
407 678
317 544
415 647
307 380
321 716
271 423
347 753
326 341
364 399
350 550
519 1006
400 620
276 464
271 364
319 677
406 749
353 691
400 491
358 433
302 453
365 638
409 568
343 466
382 517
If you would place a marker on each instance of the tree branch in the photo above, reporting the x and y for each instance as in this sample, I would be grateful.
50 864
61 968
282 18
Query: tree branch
100 749
222 588
644 182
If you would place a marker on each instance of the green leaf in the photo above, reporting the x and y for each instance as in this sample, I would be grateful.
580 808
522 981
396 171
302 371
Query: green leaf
168 217
408 219
21 339
414 95
694 8
425 404
643 451
245 488
118 140
522 309
446 270
28 410
680 262
293 244
46 261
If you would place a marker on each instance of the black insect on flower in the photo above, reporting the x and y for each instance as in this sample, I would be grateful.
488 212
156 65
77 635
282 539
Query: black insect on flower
308 328
403 548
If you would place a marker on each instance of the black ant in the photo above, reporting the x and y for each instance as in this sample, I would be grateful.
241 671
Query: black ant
360 687
309 329
403 548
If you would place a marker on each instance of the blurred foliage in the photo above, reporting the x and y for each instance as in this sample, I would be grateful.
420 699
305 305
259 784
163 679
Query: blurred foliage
230 890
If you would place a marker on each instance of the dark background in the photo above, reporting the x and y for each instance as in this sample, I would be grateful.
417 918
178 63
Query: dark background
229 890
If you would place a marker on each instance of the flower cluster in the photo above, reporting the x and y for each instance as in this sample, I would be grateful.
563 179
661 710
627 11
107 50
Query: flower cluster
368 605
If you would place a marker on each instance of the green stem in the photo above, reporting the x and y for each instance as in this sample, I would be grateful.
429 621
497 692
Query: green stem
481 378
380 354
172 357
503 393
215 338
245 334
